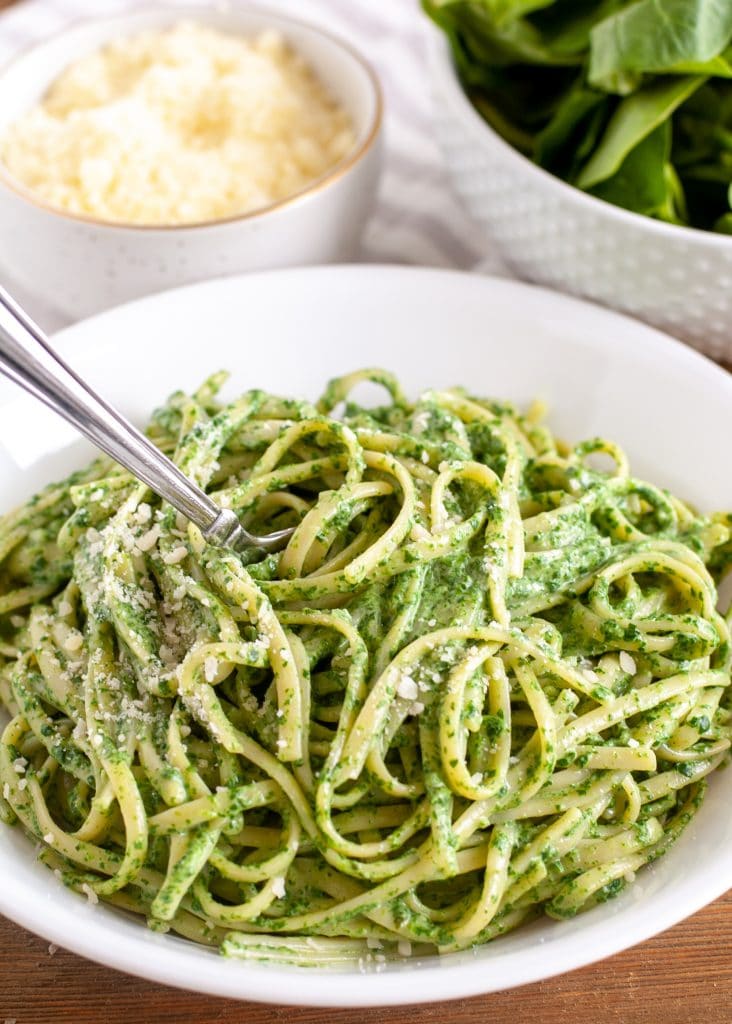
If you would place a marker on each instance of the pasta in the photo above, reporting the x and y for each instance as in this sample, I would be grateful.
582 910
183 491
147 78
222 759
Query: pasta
485 680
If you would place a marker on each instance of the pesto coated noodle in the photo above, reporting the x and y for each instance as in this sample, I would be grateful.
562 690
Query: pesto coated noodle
485 681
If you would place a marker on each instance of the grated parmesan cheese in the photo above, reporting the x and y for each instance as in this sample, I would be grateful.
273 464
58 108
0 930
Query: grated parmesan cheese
177 127
407 688
73 641
89 893
143 513
149 539
176 555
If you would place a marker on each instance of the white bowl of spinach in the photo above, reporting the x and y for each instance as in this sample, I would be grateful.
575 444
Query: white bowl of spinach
625 101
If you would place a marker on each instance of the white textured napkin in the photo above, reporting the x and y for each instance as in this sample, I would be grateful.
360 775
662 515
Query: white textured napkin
417 219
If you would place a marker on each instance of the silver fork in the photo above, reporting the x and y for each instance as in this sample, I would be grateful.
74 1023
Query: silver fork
27 358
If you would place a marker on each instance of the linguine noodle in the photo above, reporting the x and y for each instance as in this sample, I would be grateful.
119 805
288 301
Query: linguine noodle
485 680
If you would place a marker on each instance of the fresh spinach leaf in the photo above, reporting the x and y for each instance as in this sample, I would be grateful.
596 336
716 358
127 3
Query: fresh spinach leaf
635 118
646 182
658 36
577 119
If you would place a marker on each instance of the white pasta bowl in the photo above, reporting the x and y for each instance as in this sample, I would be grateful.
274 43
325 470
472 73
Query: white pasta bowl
86 265
600 373
677 278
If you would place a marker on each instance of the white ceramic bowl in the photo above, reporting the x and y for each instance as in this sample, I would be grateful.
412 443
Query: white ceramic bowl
679 279
600 373
81 265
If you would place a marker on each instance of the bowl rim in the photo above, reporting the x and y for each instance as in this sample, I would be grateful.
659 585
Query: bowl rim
202 13
442 63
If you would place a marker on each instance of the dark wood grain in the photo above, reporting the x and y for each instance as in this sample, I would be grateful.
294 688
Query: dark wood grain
681 977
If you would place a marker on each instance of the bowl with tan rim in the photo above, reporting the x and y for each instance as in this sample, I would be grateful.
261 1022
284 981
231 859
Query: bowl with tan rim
85 263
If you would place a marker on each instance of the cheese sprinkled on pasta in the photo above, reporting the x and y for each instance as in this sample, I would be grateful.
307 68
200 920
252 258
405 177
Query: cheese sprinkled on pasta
484 681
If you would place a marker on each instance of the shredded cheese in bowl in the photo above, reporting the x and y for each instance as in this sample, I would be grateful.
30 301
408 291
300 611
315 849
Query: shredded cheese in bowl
179 126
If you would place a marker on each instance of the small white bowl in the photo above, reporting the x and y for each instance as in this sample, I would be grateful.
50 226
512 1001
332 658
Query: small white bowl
81 265
679 279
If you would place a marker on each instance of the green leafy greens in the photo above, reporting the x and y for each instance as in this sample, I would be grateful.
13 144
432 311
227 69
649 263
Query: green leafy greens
629 100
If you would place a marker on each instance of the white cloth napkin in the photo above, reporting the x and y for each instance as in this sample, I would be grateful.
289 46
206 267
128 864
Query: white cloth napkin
417 219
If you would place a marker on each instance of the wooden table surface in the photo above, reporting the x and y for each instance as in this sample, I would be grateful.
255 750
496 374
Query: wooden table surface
681 977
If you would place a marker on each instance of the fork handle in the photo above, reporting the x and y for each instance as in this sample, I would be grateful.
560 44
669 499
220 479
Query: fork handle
28 359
